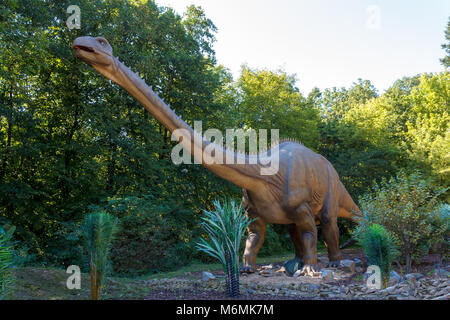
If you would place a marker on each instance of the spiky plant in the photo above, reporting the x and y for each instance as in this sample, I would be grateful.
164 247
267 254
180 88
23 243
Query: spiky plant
98 230
6 257
380 247
225 227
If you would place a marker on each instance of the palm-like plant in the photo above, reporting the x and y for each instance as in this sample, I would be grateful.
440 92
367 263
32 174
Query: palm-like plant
380 247
98 230
225 227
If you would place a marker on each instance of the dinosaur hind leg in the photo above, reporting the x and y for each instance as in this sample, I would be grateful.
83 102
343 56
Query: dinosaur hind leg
330 233
255 240
291 266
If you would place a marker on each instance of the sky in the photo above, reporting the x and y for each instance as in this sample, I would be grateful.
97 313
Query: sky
328 43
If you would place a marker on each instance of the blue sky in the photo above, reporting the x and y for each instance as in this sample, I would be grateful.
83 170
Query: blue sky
328 43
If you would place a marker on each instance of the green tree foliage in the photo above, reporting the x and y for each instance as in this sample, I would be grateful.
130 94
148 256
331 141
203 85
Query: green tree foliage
270 100
406 206
446 60
152 236
69 139
380 247
98 231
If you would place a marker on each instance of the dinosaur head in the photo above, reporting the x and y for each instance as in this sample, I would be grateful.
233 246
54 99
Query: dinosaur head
97 52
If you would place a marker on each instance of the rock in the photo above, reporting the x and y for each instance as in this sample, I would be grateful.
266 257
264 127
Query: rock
251 291
206 276
444 297
327 275
291 266
388 290
314 287
270 266
347 265
281 270
358 262
441 273
359 269
297 273
394 278
413 277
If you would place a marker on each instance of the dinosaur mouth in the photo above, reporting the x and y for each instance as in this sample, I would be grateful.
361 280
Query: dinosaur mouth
84 48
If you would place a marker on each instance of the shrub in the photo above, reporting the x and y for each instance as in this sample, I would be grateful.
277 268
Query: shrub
98 230
225 227
404 206
6 263
440 221
153 235
379 245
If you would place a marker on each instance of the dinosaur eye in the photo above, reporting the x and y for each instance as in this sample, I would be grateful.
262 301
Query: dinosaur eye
102 41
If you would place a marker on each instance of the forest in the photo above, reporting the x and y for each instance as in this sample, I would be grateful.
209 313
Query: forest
74 143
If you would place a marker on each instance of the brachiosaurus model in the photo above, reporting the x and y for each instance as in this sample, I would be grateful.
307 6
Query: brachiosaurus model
304 192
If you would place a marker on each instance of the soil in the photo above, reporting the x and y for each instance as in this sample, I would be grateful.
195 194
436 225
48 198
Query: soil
341 279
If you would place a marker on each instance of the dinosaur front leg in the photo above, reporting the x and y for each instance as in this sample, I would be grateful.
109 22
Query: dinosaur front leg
306 228
330 233
255 240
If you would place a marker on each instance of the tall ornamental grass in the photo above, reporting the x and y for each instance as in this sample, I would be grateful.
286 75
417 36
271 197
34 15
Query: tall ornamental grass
380 247
98 230
225 227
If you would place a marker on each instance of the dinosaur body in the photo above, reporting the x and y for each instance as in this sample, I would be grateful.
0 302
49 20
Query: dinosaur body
305 190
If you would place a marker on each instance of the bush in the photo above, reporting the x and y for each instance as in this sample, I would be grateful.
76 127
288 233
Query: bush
404 205
152 236
379 245
440 242
6 259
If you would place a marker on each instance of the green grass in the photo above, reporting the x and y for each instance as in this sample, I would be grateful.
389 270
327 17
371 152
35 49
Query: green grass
50 283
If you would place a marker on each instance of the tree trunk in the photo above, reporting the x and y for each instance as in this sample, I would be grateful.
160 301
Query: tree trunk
408 263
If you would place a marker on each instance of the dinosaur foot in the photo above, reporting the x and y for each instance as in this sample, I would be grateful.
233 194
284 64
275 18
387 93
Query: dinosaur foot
247 269
333 264
291 266
310 270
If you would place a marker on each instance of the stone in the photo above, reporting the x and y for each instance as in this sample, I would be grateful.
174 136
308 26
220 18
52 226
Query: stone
413 277
314 287
441 273
297 273
206 276
251 291
327 275
394 278
358 262
347 265
445 297
270 266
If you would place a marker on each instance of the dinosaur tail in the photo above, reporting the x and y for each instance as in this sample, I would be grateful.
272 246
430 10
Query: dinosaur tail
348 210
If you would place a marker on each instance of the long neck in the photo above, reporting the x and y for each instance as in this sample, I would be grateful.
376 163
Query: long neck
246 175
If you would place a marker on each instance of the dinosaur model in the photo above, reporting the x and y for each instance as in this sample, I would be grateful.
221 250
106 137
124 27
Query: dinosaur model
304 192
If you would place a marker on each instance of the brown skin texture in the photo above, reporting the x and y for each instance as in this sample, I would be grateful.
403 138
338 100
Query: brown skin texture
304 192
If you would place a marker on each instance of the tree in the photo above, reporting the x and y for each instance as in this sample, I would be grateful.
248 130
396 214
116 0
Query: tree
270 100
446 60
